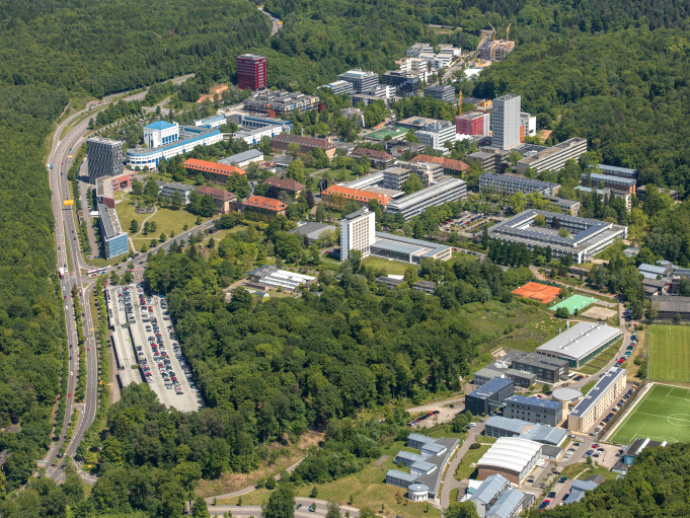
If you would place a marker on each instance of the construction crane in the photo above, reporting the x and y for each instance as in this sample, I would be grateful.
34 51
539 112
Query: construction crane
493 35
460 103
508 32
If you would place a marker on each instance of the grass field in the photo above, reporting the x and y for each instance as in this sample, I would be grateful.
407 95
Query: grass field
669 353
598 363
662 415
391 267
574 302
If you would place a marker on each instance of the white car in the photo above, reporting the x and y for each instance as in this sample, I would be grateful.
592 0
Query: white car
71 373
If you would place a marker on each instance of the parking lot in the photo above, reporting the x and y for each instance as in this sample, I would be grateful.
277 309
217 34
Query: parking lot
467 222
147 348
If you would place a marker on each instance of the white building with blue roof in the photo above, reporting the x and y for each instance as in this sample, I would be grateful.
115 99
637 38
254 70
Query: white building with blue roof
165 140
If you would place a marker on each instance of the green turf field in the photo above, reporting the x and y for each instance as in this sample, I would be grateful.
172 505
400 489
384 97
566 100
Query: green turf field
669 353
574 302
385 132
662 415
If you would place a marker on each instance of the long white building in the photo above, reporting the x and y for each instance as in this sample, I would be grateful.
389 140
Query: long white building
357 232
445 190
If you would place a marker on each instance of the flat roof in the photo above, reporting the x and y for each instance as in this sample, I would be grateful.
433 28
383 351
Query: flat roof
611 178
580 340
176 144
408 477
516 426
160 125
490 388
510 453
404 243
507 503
433 190
518 179
241 157
110 222
606 380
545 434
535 402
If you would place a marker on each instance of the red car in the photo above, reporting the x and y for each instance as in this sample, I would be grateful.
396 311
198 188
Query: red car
88 348
69 394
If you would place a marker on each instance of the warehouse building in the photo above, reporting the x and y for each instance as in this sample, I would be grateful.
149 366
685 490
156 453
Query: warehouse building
489 396
594 405
270 276
585 239
534 410
512 457
582 342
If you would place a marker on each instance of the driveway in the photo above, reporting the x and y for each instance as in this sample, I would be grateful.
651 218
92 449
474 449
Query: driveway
449 480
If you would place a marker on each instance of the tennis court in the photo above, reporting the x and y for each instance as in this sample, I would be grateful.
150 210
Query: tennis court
385 132
574 302
537 291
662 415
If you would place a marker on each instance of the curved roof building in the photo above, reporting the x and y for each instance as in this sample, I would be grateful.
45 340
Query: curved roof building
511 457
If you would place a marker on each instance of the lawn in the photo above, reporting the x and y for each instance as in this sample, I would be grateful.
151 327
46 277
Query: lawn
367 489
391 267
662 415
669 353
598 363
466 468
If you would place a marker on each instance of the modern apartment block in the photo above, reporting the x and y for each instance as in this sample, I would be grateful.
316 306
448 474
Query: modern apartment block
360 79
357 232
594 405
554 158
104 157
115 241
251 72
274 103
505 121
509 184
341 87
440 92
445 190
474 123
405 83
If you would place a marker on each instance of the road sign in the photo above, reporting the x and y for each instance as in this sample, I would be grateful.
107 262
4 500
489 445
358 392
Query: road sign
68 202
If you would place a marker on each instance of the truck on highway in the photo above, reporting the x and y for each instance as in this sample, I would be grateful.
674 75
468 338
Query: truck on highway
62 272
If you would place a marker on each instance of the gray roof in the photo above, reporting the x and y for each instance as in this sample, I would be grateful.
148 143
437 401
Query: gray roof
408 477
408 455
176 186
535 402
653 269
312 230
420 438
408 244
610 178
489 389
110 222
586 403
545 434
516 426
580 340
241 157
493 485
578 490
428 192
506 505
423 466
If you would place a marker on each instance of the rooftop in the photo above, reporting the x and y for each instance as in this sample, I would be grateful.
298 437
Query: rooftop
216 192
261 202
373 153
606 380
521 180
160 125
517 426
511 453
355 194
506 504
610 178
493 485
176 186
580 340
110 222
212 167
442 185
535 402
202 134
545 434
558 148
447 163
241 157
285 184
394 242
489 389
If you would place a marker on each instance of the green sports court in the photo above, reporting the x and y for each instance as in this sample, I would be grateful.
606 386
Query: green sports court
662 415
669 353
385 132
574 302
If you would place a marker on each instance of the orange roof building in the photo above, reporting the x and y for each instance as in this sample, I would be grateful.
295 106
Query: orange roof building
449 165
213 171
537 291
263 205
337 196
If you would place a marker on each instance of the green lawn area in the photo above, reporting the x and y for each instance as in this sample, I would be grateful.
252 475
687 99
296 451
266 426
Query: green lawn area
338 175
367 488
391 267
662 415
466 468
600 361
669 353
167 220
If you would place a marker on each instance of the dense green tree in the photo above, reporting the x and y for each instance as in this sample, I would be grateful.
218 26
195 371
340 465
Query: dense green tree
281 503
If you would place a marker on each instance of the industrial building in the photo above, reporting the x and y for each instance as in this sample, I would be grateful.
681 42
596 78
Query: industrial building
440 92
222 198
587 237
243 159
443 191
167 189
217 173
306 144
554 158
360 79
505 122
280 102
180 140
668 306
103 157
508 184
270 276
534 410
426 469
251 72
595 404
581 343
115 241
512 457
475 123
489 396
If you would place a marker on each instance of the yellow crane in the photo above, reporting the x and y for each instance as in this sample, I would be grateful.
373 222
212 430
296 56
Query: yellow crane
508 32
493 35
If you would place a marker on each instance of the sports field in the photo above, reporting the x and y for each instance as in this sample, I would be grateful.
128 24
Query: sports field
385 132
574 302
669 353
662 415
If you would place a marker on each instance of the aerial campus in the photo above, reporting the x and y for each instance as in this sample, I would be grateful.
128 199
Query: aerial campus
571 354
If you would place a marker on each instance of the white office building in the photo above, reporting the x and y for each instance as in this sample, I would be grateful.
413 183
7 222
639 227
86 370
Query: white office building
254 136
357 232
436 134
445 190
161 133
505 121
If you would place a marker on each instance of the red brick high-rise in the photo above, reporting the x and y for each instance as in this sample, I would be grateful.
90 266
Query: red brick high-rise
251 72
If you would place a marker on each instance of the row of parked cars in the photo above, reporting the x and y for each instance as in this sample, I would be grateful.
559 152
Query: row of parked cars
423 418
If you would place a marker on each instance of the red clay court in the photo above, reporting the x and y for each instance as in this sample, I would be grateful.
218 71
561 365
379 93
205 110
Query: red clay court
536 291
